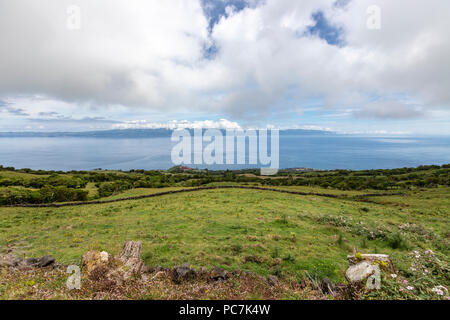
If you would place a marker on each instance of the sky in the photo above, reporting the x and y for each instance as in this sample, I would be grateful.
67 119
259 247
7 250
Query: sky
350 66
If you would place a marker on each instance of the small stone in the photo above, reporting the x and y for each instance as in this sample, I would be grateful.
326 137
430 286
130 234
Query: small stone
105 257
218 274
326 286
30 261
184 272
45 261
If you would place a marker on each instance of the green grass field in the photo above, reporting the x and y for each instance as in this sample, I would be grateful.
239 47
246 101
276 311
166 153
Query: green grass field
294 237
265 232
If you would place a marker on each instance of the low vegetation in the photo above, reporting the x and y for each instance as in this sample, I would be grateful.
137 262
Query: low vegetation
34 187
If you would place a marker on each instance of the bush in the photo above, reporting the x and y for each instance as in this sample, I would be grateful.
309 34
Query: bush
62 194
397 241
47 194
107 189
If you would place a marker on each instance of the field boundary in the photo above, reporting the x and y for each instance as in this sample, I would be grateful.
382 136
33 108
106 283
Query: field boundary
159 194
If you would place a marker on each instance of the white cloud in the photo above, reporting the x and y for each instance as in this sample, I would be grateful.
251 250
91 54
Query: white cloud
389 110
177 124
148 55
130 53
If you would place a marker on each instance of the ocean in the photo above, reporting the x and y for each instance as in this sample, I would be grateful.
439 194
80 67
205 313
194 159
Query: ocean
308 150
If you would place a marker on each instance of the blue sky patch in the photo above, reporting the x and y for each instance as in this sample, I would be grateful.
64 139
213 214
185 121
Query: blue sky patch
215 9
324 30
210 51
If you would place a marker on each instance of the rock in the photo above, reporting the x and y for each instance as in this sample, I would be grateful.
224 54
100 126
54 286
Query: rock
46 261
95 259
218 274
40 262
105 257
364 270
129 261
272 280
358 274
184 272
156 269
12 261
202 273
9 260
101 267
373 259
326 286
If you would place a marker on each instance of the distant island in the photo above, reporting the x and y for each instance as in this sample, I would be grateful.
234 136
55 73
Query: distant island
133 133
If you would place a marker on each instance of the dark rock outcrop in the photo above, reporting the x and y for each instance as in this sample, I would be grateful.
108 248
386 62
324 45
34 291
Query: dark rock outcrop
218 274
40 262
184 272
10 260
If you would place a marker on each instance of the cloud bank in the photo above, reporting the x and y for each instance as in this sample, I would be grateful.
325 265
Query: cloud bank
176 124
241 59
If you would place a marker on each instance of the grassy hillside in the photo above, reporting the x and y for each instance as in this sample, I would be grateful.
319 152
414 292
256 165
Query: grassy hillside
252 230
291 236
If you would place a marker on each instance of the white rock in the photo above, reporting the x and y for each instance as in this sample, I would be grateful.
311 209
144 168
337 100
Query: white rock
357 273
104 257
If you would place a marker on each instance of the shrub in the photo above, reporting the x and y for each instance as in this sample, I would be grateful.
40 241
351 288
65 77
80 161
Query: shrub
107 189
397 241
47 194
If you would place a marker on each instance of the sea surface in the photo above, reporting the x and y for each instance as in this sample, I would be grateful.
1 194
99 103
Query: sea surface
319 151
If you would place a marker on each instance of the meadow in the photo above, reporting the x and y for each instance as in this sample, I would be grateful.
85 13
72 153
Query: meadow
269 233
